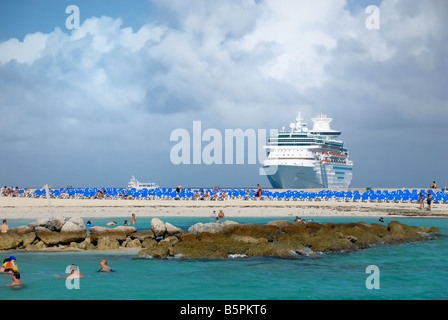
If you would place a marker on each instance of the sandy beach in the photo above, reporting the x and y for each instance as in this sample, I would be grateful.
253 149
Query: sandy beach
34 208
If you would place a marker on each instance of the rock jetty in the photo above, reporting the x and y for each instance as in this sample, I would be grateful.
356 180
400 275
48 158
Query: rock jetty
278 238
281 238
60 234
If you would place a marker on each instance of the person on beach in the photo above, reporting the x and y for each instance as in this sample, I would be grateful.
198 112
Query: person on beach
206 195
126 222
422 200
104 266
428 201
197 195
381 219
133 219
4 227
224 195
259 192
112 223
213 215
221 215
178 189
433 185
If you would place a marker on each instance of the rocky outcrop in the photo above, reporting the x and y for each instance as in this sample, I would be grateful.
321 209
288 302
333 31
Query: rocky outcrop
119 233
278 238
61 234
211 227
283 239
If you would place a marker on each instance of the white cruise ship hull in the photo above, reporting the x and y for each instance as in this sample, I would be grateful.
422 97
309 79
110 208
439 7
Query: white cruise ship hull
309 177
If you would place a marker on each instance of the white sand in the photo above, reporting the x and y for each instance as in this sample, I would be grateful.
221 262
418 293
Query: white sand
32 208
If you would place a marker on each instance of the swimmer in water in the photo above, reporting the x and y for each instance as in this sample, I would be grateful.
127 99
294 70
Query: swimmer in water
104 266
3 267
74 272
16 282
16 279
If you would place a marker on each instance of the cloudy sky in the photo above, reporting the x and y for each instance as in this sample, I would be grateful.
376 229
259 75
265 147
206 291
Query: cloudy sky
93 105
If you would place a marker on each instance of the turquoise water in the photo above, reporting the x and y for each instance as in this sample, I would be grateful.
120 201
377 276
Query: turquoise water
411 271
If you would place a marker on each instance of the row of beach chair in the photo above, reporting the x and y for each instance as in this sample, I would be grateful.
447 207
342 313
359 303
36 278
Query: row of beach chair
397 196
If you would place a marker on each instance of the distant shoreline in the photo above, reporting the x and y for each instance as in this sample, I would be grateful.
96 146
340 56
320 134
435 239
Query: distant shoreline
34 208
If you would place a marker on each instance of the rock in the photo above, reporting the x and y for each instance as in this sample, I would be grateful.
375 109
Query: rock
307 252
84 245
20 231
148 243
39 245
73 222
24 235
395 227
158 227
44 222
280 239
279 223
212 227
57 223
171 240
47 236
142 235
28 238
73 230
434 230
219 245
248 239
108 243
161 250
119 233
131 243
54 224
8 241
172 230
401 233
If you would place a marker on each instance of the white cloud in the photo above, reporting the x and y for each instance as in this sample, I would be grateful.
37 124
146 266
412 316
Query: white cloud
26 51
237 64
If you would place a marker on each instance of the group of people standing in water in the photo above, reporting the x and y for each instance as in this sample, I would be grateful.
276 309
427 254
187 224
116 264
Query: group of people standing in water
218 216
10 267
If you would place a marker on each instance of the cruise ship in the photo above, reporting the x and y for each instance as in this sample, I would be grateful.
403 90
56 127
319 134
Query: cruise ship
134 183
308 159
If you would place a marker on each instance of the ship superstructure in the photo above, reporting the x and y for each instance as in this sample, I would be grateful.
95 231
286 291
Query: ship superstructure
300 158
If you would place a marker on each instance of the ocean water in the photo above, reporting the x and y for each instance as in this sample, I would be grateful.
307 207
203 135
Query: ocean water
410 271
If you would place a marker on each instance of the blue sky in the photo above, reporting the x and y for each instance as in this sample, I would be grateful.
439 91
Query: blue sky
93 106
